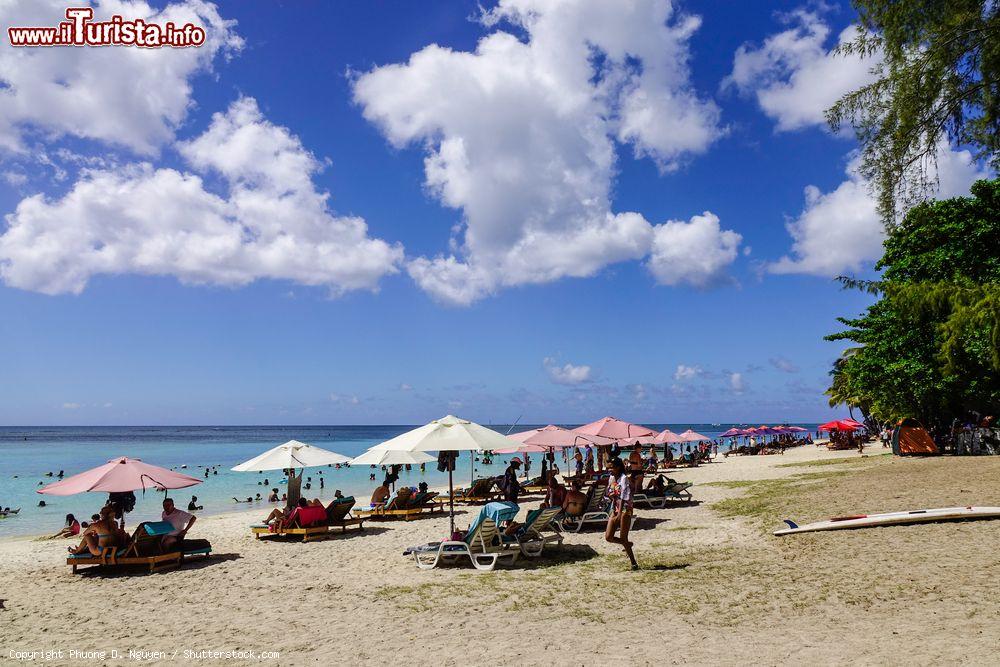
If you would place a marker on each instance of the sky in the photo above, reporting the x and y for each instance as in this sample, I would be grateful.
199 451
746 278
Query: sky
366 213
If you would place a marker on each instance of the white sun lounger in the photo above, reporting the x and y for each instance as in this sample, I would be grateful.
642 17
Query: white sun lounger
595 512
540 528
477 546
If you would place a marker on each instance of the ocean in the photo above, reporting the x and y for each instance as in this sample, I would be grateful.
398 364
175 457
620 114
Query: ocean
28 454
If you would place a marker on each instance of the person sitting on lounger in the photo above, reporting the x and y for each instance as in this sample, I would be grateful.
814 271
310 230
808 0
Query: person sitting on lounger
180 520
555 493
380 496
99 534
575 501
279 515
71 529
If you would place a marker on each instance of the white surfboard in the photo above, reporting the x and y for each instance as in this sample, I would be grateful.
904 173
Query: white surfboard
893 518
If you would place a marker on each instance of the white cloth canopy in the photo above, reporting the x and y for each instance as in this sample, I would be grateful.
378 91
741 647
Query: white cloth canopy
379 457
448 434
292 454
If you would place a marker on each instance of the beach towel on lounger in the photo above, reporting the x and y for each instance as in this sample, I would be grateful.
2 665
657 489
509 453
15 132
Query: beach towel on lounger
499 511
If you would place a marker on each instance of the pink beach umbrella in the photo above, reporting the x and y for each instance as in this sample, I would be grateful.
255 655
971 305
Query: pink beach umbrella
691 436
616 429
733 432
556 437
668 437
522 448
121 475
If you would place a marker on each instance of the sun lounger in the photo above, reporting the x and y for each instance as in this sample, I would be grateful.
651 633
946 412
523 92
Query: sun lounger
538 530
417 506
481 491
144 550
481 546
595 512
673 491
312 523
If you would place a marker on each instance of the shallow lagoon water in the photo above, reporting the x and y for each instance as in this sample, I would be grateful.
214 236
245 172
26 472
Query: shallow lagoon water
28 453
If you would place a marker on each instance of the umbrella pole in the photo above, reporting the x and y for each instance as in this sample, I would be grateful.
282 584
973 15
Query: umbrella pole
451 502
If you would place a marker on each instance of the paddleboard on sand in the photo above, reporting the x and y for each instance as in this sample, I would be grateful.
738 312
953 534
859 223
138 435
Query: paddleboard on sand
893 518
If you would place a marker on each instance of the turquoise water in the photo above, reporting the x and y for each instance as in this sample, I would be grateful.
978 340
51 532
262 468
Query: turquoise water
28 453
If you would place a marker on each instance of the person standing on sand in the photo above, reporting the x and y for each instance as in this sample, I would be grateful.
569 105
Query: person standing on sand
620 493
509 485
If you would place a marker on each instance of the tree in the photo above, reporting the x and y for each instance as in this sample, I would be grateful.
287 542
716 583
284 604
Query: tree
938 68
930 346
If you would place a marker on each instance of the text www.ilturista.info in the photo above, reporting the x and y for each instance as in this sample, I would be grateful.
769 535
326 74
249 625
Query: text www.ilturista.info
80 30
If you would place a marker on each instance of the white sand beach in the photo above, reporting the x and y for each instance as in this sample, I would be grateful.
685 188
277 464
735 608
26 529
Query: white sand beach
715 588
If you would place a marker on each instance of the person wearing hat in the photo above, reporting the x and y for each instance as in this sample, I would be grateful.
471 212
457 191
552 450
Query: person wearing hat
509 485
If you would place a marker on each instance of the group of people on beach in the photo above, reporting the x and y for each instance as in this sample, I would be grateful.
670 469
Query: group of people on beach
624 479
106 529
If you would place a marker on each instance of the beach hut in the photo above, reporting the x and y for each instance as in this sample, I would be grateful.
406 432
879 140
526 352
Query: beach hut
911 438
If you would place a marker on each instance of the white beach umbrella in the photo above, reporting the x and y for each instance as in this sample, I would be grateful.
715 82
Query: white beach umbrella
292 454
379 457
448 434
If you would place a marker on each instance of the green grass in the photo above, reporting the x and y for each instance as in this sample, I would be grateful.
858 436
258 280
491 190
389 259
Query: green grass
765 499
832 462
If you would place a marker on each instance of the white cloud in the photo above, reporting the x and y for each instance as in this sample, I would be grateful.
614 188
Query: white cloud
794 76
695 252
685 372
638 392
520 135
345 399
405 387
841 231
71 406
567 373
783 365
273 224
737 383
127 96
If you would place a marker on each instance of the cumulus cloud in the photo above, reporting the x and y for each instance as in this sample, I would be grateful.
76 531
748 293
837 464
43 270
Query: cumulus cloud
272 223
685 372
737 383
794 76
71 406
127 96
567 374
345 399
840 231
696 252
520 136
783 365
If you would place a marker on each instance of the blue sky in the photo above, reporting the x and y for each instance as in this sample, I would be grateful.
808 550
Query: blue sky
652 331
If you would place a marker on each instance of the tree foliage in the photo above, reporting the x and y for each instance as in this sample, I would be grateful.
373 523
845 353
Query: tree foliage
938 69
930 346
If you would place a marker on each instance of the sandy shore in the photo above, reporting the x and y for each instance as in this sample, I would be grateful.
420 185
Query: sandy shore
716 587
